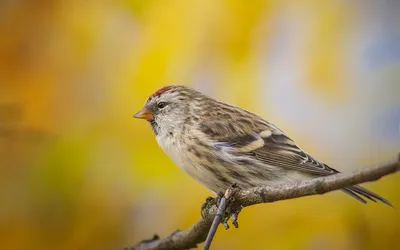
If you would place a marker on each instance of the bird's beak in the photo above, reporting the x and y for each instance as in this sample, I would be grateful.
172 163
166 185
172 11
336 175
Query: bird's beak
144 113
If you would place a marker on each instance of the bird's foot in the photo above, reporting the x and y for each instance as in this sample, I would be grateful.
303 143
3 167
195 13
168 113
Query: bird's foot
232 210
210 202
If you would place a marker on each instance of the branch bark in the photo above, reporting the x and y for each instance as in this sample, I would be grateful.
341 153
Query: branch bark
197 233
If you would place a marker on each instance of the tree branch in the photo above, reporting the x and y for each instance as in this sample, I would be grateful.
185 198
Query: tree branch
197 233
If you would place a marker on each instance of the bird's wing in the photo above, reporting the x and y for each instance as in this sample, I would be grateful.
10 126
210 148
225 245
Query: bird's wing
266 144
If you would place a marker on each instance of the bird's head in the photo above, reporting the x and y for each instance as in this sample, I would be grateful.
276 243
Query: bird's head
167 108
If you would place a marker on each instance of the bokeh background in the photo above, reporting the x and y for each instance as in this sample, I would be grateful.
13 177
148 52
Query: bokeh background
77 172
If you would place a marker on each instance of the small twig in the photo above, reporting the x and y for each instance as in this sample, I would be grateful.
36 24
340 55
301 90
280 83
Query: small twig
218 216
214 225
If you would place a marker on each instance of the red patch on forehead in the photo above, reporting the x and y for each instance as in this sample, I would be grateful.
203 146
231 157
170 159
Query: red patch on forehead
161 91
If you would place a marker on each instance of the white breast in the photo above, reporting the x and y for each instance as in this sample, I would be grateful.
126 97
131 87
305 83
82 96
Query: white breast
187 161
172 148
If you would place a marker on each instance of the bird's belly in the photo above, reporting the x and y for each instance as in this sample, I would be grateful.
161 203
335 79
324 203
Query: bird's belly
189 163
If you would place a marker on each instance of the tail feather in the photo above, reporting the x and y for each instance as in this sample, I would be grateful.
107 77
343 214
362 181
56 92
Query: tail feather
358 191
365 194
354 195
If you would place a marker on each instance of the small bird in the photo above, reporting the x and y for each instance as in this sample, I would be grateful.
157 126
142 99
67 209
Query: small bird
219 144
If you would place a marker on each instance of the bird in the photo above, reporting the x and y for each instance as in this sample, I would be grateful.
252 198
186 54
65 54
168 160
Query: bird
220 144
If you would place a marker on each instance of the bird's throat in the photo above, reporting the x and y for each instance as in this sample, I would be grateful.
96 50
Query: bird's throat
154 126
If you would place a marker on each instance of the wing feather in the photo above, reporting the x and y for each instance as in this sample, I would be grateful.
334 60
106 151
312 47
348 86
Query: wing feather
268 146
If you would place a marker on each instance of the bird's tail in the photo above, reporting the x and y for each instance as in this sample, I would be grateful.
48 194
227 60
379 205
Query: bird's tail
361 193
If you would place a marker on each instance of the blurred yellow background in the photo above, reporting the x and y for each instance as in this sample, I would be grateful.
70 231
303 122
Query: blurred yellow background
77 172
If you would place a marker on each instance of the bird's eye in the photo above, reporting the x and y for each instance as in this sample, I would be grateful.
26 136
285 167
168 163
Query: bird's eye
161 105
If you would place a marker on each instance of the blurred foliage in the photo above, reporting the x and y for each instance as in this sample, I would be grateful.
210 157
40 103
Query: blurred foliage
77 172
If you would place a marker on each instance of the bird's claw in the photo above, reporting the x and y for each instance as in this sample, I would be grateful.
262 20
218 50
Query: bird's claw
225 223
232 210
210 201
235 217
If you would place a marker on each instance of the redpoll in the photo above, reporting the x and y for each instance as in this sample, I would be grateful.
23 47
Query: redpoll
219 144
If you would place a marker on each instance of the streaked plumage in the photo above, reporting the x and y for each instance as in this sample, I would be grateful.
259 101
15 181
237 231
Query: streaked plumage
219 144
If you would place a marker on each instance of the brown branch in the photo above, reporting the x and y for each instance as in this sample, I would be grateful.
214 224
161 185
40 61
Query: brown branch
197 233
